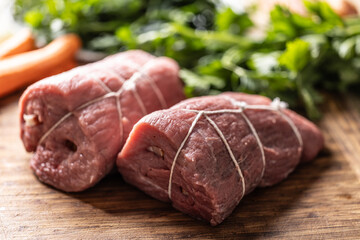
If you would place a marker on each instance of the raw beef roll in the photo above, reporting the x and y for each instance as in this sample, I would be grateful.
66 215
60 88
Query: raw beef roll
77 122
205 154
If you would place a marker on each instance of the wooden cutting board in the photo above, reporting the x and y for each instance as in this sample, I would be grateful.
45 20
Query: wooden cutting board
320 200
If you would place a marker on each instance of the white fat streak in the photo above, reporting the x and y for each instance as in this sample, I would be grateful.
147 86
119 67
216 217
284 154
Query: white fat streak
30 120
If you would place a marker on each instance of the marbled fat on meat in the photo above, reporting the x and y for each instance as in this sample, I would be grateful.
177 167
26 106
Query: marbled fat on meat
265 145
77 122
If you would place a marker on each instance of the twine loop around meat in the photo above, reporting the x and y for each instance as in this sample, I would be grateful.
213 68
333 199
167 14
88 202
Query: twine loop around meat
129 84
276 105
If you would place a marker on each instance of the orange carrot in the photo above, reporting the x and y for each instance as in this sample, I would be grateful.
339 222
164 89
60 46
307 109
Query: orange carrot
65 66
20 42
26 68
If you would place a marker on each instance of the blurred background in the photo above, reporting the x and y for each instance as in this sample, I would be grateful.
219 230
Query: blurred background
260 16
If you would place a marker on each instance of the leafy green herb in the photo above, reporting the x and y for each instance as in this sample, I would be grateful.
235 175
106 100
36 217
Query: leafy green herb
298 57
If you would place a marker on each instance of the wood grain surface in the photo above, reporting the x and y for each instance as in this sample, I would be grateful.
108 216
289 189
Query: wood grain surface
320 200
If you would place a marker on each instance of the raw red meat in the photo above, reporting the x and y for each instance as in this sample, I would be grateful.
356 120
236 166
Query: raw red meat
204 154
72 120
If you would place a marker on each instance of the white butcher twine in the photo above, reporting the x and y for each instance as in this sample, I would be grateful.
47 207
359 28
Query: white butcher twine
127 85
276 105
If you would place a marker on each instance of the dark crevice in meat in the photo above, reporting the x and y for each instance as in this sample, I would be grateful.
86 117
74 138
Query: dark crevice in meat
70 145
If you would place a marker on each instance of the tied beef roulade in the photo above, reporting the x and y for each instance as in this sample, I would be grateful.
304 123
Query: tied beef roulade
77 122
205 154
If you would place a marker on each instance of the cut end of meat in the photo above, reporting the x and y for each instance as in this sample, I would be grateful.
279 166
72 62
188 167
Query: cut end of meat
85 168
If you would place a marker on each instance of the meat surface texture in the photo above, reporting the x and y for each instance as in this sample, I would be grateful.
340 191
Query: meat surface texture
205 154
78 121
